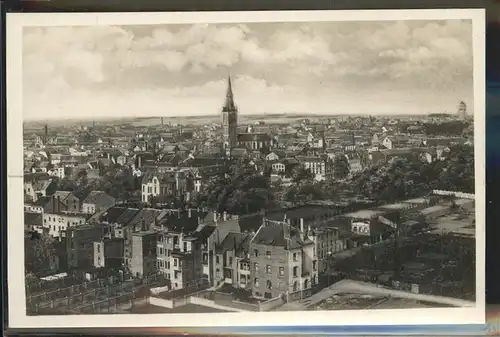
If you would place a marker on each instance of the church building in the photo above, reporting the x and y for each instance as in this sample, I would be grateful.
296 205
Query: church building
229 120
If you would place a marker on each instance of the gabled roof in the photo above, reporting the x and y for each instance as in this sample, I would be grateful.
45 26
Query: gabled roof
42 201
33 219
237 242
63 195
99 198
280 234
253 137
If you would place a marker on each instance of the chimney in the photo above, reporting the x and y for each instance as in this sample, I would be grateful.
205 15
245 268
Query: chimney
215 217
224 216
301 233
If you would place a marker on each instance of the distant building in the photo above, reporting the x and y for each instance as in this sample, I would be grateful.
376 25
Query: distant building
97 201
320 166
462 110
57 223
282 261
68 201
160 185
255 141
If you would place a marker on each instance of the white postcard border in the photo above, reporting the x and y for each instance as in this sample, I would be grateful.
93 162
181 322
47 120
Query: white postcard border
16 282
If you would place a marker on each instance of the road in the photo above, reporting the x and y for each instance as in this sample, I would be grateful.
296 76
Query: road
356 287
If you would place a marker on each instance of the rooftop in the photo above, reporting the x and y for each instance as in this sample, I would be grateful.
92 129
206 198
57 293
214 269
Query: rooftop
364 214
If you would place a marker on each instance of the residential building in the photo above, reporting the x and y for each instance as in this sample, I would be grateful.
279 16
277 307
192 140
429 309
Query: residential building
162 185
57 223
143 262
109 253
80 244
283 261
320 166
232 260
68 201
328 241
97 201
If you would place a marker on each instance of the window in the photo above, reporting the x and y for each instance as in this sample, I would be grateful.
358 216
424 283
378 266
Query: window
161 250
315 265
268 269
269 284
256 266
282 271
217 259
255 253
295 271
175 263
185 246
98 248
268 254
295 257
168 264
256 282
230 261
217 273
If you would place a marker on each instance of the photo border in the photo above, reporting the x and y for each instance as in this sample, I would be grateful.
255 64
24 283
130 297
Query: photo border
15 231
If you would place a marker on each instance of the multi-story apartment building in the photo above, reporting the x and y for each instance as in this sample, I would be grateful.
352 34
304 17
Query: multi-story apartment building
328 241
80 244
179 256
109 253
143 262
97 201
232 260
320 166
164 184
67 201
57 223
283 261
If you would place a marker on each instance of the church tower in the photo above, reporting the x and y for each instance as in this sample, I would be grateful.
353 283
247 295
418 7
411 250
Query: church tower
229 119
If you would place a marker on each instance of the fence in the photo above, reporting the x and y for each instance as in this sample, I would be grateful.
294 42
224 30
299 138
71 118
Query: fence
102 299
81 288
460 195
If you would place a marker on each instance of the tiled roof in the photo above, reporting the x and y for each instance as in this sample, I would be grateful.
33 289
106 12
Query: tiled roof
237 242
277 233
33 219
99 198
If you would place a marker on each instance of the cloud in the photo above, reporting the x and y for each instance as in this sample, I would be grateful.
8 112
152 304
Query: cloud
272 61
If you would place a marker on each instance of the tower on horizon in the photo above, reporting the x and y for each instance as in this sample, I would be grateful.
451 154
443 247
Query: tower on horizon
462 110
229 119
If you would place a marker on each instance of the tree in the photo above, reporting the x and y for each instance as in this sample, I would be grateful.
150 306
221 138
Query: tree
341 167
241 190
303 192
300 174
38 251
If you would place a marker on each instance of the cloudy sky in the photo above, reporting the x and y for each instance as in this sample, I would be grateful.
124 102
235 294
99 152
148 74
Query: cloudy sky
173 70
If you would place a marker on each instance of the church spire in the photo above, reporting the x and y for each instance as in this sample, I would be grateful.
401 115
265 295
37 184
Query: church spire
229 104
